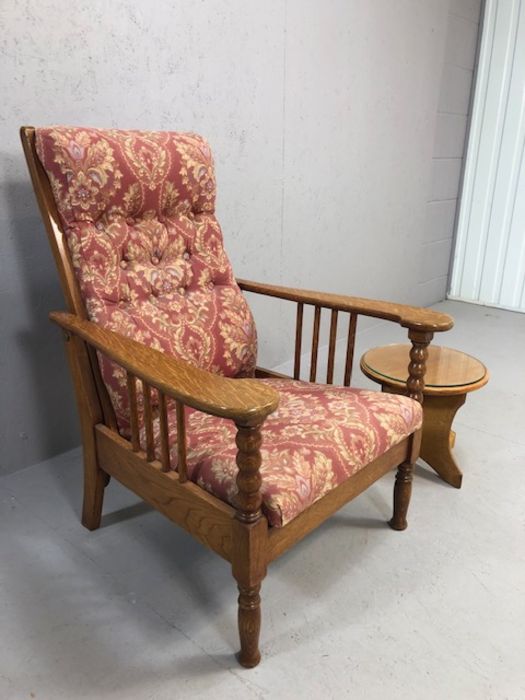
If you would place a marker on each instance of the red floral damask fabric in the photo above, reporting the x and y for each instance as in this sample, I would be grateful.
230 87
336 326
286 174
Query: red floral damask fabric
318 437
138 213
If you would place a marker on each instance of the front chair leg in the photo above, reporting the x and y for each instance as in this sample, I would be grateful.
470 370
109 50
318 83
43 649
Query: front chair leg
249 619
402 492
403 485
249 540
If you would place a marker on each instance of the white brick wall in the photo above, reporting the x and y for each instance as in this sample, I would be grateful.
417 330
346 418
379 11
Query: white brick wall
449 144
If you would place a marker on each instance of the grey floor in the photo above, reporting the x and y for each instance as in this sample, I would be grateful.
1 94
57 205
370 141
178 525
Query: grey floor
139 610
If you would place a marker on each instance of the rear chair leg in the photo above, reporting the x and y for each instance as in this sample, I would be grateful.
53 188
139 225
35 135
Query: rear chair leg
402 492
90 415
95 481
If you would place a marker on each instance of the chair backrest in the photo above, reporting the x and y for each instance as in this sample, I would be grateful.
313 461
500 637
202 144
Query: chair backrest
139 247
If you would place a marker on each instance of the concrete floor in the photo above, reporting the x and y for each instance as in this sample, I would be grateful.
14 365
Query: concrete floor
139 610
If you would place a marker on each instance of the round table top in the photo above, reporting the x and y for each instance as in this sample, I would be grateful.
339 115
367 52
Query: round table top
448 371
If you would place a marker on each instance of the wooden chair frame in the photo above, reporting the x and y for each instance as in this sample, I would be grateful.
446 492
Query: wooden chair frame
239 534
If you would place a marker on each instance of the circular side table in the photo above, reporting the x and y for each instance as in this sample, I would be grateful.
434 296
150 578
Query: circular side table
449 377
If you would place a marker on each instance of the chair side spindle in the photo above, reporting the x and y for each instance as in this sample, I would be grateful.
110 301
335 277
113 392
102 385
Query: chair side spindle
315 344
181 443
298 340
352 325
133 412
148 422
331 347
164 433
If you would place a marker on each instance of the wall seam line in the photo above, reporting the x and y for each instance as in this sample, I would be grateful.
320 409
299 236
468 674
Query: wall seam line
283 146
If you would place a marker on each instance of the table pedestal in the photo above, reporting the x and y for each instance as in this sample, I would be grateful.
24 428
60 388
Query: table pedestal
439 438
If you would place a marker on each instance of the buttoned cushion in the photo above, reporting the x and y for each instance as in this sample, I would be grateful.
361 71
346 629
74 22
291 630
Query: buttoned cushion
318 437
138 214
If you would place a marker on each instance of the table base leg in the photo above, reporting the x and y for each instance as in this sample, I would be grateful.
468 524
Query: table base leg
438 436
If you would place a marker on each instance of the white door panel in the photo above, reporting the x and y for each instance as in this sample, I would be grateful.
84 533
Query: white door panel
489 258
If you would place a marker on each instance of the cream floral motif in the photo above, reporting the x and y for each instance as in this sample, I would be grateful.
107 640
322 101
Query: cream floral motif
147 156
171 204
131 203
197 169
91 175
236 329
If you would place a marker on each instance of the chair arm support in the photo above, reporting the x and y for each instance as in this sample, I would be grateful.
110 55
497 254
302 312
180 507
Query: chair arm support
245 401
412 317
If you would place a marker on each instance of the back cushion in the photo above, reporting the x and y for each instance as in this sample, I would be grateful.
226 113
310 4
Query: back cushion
138 211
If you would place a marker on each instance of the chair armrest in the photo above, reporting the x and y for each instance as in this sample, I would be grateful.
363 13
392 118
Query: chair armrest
244 401
413 317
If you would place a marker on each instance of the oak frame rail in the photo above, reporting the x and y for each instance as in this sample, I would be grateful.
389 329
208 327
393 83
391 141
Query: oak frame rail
198 512
413 317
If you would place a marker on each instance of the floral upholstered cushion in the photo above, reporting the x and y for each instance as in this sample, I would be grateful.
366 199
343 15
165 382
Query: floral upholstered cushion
318 437
138 210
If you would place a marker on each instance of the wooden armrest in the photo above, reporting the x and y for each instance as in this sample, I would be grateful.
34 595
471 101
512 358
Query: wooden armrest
413 317
245 401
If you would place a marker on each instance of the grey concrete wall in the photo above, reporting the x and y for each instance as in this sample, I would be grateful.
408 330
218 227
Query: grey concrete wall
449 146
321 116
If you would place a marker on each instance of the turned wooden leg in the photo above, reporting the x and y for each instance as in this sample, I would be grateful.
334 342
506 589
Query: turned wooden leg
95 480
249 539
403 484
436 448
249 570
402 493
249 619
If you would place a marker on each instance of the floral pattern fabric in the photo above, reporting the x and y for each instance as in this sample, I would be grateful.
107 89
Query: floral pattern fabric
318 437
138 214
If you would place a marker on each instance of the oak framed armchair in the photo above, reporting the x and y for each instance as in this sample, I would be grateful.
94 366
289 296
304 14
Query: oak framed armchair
162 350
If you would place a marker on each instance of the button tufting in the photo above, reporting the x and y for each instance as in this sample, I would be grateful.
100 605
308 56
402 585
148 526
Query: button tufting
155 260
123 264
211 285
186 255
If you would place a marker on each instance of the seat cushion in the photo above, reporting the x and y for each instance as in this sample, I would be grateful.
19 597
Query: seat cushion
319 436
138 212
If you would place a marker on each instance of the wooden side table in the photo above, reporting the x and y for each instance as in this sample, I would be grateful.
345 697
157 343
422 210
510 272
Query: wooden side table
450 376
